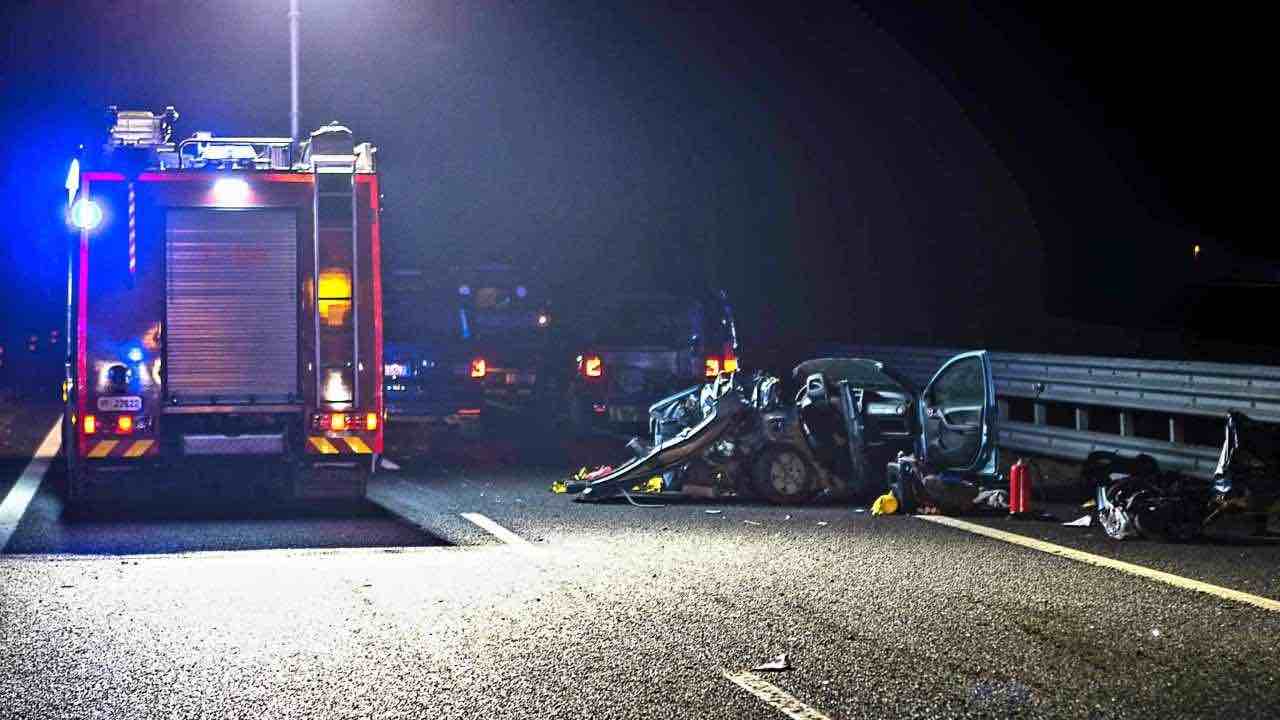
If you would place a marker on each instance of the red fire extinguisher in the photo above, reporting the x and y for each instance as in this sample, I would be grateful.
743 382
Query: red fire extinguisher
1019 487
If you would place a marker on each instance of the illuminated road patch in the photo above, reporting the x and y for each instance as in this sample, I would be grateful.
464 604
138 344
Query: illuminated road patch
20 495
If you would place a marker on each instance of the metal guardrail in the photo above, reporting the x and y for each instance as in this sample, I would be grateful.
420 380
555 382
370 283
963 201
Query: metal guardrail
1172 389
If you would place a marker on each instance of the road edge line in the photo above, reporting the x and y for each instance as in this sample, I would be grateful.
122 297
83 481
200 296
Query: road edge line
488 525
24 489
774 696
1111 563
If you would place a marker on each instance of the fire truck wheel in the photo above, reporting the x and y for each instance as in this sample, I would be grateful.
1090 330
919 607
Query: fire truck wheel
783 476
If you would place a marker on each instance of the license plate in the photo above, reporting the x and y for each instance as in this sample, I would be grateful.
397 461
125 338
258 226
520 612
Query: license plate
625 413
521 378
126 403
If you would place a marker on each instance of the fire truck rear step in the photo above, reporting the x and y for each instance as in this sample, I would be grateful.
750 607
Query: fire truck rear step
233 444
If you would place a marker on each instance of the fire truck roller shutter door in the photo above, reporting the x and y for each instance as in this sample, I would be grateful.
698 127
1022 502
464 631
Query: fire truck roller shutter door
232 294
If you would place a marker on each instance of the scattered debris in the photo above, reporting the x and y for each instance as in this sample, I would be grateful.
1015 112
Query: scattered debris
994 499
1086 521
713 512
387 464
1155 632
1135 498
750 522
822 523
779 663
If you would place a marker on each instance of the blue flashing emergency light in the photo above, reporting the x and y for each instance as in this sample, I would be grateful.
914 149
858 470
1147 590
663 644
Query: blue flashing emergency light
85 214
135 355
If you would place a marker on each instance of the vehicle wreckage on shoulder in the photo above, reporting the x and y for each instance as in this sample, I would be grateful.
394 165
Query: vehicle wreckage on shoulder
1134 497
853 428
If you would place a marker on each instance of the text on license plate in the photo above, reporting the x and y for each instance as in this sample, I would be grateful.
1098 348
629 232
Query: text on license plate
124 403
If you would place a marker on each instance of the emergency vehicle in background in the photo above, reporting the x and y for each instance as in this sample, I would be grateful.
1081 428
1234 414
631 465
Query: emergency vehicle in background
224 301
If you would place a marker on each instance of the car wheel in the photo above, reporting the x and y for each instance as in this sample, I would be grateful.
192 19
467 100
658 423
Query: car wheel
783 476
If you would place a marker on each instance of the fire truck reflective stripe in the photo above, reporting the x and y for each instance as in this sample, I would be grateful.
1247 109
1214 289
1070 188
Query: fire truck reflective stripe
139 448
133 233
103 448
324 446
358 445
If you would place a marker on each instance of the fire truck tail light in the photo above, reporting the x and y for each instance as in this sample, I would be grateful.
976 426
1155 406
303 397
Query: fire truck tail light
592 366
90 424
338 421
478 368
124 424
730 363
371 421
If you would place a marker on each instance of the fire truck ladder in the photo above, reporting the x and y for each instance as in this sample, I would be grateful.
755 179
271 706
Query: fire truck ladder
333 164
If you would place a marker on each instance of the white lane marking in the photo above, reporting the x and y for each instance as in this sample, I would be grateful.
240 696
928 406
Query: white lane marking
1089 558
20 495
495 529
774 696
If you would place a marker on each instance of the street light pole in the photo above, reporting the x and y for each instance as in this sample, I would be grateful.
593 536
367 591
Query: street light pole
294 15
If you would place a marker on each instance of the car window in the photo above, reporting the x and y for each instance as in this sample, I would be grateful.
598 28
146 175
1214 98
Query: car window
960 385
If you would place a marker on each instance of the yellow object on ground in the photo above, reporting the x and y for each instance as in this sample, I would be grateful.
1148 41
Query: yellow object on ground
559 486
886 504
652 485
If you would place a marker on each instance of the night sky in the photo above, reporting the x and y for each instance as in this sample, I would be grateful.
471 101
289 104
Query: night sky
945 173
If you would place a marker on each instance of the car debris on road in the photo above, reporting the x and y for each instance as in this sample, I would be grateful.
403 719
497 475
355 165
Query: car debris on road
1135 498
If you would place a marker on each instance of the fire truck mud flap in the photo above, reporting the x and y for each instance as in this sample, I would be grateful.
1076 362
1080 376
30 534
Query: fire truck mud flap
331 481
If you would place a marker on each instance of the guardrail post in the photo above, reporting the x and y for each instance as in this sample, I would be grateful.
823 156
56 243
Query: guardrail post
1176 430
1082 419
1126 423
1041 413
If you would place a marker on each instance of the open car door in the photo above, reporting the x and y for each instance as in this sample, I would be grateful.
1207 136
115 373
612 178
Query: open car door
958 416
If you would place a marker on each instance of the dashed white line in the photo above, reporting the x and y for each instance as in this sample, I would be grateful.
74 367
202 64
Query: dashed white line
1081 556
774 696
496 530
28 484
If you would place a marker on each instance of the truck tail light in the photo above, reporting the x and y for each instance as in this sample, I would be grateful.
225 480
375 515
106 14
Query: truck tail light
591 366
345 421
124 424
727 364
478 368
713 367
90 424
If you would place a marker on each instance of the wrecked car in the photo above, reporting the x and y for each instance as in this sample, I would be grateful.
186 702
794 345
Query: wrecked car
849 420
1134 498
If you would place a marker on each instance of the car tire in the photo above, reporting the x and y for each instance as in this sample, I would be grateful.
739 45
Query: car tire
783 476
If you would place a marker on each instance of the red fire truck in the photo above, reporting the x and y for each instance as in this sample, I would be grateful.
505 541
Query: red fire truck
224 301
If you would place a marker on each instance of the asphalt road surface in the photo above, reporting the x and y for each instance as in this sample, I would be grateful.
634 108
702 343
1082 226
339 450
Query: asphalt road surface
463 588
